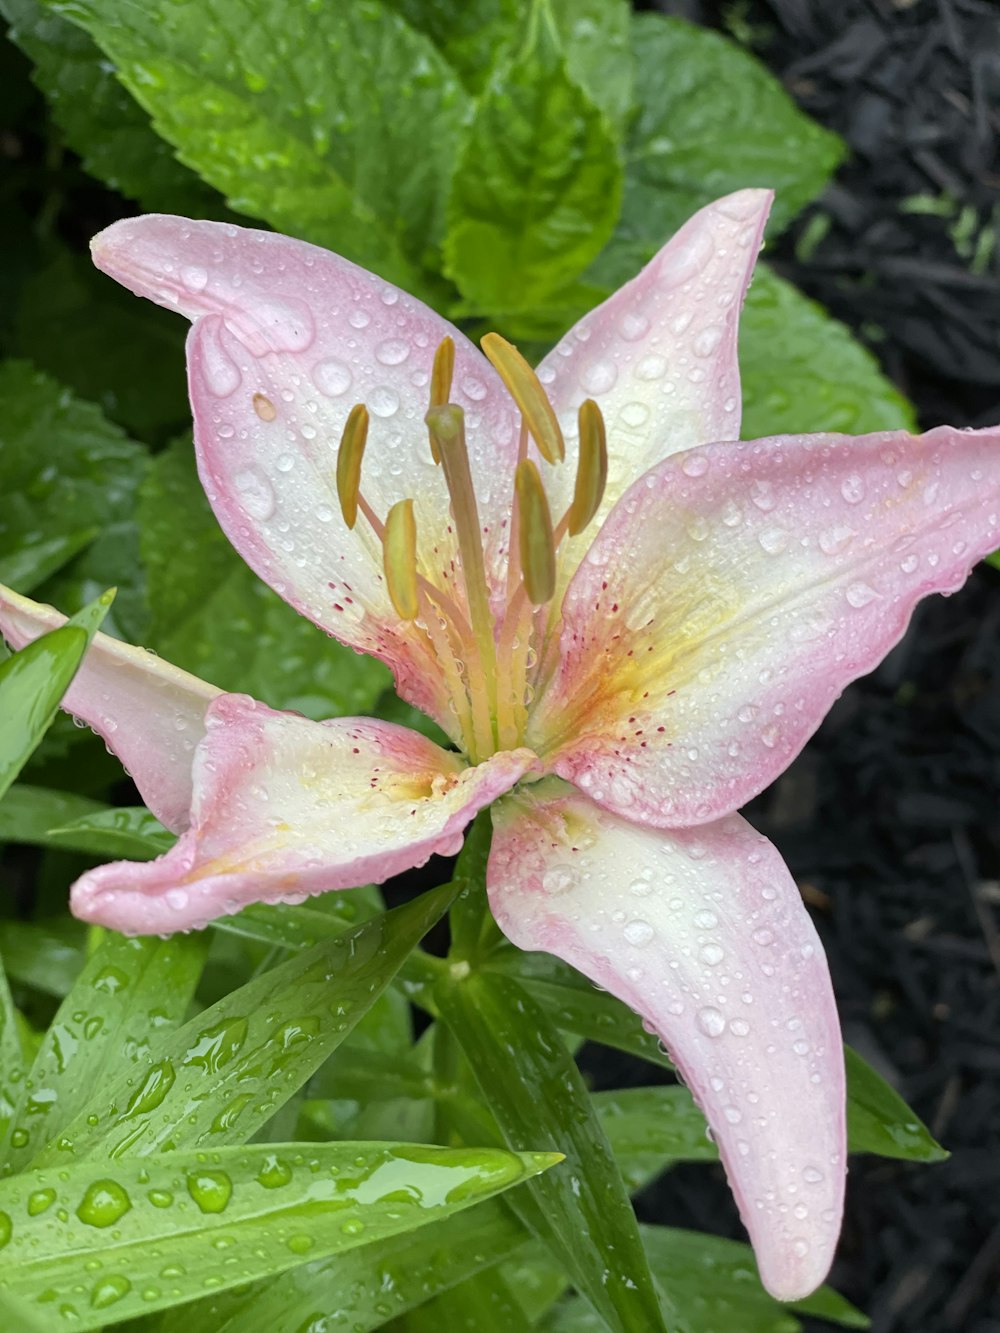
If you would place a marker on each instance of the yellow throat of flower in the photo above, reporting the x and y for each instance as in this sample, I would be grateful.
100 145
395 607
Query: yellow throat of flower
490 661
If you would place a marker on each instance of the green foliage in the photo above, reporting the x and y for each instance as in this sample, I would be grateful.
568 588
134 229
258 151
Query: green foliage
538 183
211 615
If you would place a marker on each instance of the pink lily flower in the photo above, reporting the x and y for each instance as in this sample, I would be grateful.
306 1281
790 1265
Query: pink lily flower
625 646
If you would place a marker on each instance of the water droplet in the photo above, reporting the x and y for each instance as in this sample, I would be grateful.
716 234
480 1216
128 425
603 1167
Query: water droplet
852 488
383 401
222 374
211 1190
558 879
694 464
255 494
651 368
812 1175
155 1086
773 540
711 1021
300 1244
639 932
706 919
160 1198
836 539
392 352
333 378
712 954
633 327
801 1248
859 595
103 1203
641 888
39 1201
109 1290
739 1027
733 1114
194 277
359 319
708 340
599 376
763 936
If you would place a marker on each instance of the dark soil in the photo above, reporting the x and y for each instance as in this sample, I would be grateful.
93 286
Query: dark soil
889 818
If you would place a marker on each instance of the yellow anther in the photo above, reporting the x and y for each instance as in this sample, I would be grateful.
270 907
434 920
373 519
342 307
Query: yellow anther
441 377
399 552
591 470
537 544
349 456
525 388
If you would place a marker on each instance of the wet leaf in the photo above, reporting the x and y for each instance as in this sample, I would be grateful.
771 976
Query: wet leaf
130 995
360 1290
879 1121
222 1076
126 833
33 681
142 1236
27 812
534 1089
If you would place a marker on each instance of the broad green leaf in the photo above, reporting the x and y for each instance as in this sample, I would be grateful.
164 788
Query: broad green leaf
94 336
130 995
803 371
360 1290
34 562
211 615
223 1075
177 1225
714 1286
334 122
595 36
648 1128
98 118
27 813
33 681
537 189
710 119
46 956
127 833
63 465
471 34
879 1121
535 1091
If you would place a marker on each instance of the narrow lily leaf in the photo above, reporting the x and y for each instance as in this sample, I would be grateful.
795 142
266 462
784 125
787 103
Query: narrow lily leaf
130 994
27 813
473 931
35 561
48 956
34 680
212 616
356 113
362 1289
130 833
879 1121
538 184
648 1128
223 1075
148 1235
12 1063
715 1287
536 1092
485 1303
14 1314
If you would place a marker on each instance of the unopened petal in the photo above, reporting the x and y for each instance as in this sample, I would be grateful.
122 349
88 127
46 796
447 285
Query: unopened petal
151 714
704 934
284 807
287 338
659 356
732 594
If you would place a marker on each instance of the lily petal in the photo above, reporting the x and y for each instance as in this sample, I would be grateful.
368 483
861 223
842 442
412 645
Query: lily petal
149 713
284 807
659 356
287 338
733 593
704 934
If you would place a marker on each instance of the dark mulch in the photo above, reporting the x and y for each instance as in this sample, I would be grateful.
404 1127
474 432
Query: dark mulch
889 819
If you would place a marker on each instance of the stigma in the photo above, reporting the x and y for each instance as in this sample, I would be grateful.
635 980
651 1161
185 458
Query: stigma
491 658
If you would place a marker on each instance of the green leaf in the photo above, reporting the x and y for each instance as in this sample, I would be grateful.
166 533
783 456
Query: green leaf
141 1236
129 996
223 1075
474 933
710 119
33 681
534 1089
129 833
595 36
485 1303
92 335
27 813
713 1285
360 1290
538 185
879 1121
14 1314
803 371
472 35
98 118
211 615
648 1128
336 123
60 460
12 1062
46 956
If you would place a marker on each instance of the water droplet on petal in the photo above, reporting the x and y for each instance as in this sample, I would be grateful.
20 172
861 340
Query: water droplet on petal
711 1021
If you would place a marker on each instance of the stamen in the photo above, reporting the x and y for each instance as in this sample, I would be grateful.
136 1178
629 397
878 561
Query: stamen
349 456
536 540
526 389
592 468
399 549
441 377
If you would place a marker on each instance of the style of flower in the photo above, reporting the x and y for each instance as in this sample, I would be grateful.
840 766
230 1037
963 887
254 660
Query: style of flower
627 630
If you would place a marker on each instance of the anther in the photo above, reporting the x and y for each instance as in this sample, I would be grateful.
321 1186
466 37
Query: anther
399 552
349 456
535 536
525 388
592 468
